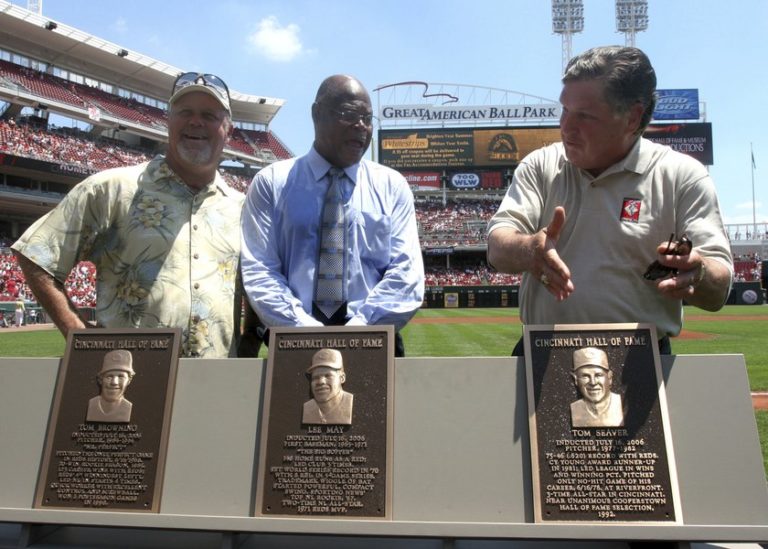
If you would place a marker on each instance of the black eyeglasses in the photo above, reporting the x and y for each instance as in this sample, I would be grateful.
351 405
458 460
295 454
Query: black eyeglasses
208 80
353 117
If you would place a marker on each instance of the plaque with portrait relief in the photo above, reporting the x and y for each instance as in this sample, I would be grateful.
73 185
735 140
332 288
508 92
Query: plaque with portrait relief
601 450
326 429
108 429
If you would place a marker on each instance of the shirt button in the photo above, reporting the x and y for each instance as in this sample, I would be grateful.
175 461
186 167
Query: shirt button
196 256
194 227
196 286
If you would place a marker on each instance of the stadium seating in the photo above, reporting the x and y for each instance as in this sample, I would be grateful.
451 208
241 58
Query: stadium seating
469 276
747 268
39 83
261 144
80 285
61 147
457 223
127 109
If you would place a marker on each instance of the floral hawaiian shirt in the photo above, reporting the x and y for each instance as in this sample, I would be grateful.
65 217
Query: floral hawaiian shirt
165 256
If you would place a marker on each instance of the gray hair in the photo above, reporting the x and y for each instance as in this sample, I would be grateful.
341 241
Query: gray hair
627 77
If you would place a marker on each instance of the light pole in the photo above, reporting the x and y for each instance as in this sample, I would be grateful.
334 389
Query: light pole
631 17
567 20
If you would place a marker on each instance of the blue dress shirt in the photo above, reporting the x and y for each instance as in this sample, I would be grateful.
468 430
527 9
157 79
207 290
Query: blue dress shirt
281 235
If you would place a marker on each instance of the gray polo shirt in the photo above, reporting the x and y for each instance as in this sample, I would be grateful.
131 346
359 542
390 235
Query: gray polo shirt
614 222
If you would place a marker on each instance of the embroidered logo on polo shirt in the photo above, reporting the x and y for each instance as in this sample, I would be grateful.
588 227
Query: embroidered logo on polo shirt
630 210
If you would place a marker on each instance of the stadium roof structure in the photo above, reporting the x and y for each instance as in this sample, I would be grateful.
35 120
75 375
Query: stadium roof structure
39 37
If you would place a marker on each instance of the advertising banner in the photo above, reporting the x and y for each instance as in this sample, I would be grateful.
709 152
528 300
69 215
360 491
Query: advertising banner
465 181
422 181
677 105
457 148
693 139
460 150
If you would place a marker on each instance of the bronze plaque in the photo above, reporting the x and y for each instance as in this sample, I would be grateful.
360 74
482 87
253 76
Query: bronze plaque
600 444
108 429
326 430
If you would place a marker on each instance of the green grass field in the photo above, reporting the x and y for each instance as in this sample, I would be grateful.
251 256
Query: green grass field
493 332
734 329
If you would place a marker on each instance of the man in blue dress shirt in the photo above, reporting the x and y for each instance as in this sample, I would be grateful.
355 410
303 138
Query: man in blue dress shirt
383 267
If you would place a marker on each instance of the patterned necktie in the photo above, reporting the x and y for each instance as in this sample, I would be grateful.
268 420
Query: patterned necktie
331 267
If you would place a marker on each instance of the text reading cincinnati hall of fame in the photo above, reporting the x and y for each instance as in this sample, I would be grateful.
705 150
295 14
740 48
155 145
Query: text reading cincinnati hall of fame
108 432
327 423
600 443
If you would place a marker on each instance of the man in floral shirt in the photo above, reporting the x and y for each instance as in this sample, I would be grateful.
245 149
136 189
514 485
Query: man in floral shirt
164 235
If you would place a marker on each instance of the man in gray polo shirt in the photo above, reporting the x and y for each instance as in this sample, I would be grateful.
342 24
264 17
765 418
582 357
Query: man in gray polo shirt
584 218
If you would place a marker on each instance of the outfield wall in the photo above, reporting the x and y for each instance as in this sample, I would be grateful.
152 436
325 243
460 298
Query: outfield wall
468 297
455 297
746 293
460 297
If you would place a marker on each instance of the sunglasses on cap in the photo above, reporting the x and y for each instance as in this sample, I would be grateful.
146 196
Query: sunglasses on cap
199 79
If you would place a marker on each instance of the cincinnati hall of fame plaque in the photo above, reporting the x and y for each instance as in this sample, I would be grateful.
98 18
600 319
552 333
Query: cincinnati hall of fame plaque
326 429
601 450
108 430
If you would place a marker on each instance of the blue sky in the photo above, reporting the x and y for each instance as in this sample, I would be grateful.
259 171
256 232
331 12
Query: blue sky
285 48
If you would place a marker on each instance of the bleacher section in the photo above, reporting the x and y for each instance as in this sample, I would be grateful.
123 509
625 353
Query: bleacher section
263 143
39 83
62 147
81 284
455 223
127 109
260 144
747 268
80 150
470 276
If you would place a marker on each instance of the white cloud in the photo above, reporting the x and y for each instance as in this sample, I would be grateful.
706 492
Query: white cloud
748 205
120 26
275 42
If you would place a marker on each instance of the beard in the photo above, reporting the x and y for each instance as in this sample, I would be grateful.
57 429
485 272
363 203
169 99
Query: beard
198 156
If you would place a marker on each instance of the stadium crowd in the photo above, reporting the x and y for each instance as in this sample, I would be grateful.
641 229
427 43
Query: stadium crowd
81 284
747 268
454 223
63 145
480 275
76 148
95 100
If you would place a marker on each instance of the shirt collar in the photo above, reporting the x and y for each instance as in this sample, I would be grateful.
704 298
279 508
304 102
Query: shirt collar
320 166
160 169
635 161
